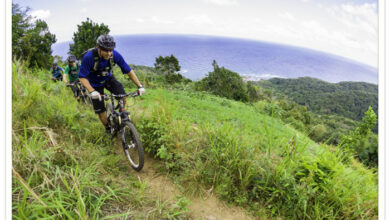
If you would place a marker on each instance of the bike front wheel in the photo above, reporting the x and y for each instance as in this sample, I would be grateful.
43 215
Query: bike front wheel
85 98
132 146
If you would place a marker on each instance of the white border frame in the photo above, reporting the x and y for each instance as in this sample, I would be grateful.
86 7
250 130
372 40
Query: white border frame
6 118
8 109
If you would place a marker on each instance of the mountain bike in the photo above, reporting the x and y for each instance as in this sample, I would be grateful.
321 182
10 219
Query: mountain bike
80 91
84 96
120 122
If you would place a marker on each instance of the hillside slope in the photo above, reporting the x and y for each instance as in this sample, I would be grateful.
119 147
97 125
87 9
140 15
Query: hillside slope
349 99
250 159
206 145
65 167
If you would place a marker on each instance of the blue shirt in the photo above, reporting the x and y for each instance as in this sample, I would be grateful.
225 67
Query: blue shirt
56 72
88 63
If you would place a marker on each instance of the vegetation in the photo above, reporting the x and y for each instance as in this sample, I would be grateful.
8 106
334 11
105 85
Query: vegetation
247 155
220 135
207 143
169 66
64 167
329 128
85 37
348 99
361 142
224 83
212 144
31 41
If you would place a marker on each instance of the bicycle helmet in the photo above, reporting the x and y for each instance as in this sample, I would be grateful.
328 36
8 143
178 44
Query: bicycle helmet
106 41
71 59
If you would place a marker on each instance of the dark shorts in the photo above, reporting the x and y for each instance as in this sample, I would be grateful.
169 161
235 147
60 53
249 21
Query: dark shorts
112 85
57 78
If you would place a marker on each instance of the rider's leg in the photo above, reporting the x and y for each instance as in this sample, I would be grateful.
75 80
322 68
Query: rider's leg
77 92
100 109
114 86
103 118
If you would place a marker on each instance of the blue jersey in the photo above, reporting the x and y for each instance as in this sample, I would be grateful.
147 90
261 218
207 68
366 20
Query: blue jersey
87 64
56 72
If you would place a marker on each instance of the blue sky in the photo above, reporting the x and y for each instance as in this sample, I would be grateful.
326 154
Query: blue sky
347 28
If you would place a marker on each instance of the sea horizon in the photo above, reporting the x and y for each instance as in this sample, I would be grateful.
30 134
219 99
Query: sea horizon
252 59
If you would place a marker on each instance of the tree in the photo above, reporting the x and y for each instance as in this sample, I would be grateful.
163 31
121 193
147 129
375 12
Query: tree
31 41
169 66
225 83
20 23
254 92
358 140
85 37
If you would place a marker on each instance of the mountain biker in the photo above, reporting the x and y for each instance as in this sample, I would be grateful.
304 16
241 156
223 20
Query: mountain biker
56 72
95 75
72 71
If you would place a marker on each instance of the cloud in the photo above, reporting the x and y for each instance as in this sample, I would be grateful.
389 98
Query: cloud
198 20
40 14
140 20
359 17
256 77
221 2
158 20
287 16
84 10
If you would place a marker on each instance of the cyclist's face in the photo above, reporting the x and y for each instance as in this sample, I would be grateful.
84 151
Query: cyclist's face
73 64
105 53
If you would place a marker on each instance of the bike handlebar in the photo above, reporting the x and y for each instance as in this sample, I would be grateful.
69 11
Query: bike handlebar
73 83
132 94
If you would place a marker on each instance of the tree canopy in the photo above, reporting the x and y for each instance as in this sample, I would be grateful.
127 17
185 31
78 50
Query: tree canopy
31 41
85 37
349 99
169 66
225 83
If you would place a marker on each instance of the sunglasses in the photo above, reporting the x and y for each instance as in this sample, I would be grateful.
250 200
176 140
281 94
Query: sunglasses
106 50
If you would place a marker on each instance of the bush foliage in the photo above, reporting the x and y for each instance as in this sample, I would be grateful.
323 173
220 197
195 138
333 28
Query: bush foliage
31 40
85 37
224 83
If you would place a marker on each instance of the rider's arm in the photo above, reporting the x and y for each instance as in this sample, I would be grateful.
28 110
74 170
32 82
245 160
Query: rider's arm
118 59
85 68
63 75
134 78
66 74
86 84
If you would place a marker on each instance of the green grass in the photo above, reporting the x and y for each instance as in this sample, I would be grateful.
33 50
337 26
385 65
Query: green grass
252 159
65 167
207 144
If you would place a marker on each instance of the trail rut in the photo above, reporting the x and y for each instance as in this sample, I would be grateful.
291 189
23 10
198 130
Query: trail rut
209 208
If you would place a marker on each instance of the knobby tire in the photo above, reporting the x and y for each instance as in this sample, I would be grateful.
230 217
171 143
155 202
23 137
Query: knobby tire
135 153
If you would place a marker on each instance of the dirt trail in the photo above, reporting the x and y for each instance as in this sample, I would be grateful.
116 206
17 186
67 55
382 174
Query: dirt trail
208 209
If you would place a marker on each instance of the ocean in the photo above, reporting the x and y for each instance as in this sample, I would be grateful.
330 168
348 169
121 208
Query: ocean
254 60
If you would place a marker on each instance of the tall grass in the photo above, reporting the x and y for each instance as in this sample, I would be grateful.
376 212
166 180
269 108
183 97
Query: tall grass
220 146
64 167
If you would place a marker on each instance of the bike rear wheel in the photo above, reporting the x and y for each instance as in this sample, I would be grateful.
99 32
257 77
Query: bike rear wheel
132 146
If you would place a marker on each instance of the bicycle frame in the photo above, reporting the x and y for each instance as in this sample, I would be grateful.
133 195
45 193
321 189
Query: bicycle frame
120 121
116 112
